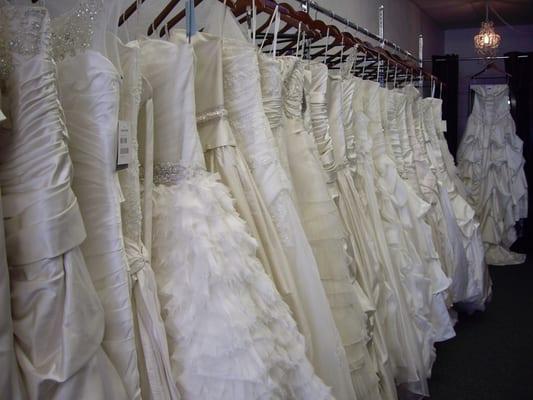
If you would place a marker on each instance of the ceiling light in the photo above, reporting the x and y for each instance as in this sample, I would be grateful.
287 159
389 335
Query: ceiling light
487 40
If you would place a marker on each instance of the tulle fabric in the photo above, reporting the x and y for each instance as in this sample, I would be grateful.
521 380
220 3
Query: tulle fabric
492 166
58 320
230 334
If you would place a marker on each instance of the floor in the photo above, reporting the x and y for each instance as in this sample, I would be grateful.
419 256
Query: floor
492 356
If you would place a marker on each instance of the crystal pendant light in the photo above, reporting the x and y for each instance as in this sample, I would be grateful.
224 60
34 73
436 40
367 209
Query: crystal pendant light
487 40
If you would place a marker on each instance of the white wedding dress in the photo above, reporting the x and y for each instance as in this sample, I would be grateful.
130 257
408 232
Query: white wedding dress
58 320
152 349
491 164
89 87
242 93
224 157
230 334
324 228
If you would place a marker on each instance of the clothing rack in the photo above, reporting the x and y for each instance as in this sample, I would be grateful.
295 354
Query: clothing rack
350 24
478 58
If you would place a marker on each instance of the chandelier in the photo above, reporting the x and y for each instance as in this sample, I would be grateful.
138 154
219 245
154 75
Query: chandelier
487 40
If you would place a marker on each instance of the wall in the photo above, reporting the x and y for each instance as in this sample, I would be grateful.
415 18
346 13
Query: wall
404 21
460 41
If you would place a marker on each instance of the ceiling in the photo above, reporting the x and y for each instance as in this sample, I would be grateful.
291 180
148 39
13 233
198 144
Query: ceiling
450 14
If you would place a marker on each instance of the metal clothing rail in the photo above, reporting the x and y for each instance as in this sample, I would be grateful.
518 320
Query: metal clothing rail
313 4
477 58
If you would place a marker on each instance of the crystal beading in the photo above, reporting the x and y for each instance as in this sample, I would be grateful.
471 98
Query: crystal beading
170 173
74 32
216 113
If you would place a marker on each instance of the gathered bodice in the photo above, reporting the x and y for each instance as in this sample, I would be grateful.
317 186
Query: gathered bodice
39 205
318 105
169 68
491 103
397 128
349 85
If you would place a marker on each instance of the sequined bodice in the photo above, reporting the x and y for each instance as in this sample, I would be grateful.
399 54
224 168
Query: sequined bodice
24 33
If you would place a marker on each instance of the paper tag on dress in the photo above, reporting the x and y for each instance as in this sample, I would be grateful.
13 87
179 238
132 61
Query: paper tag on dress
123 144
444 126
2 115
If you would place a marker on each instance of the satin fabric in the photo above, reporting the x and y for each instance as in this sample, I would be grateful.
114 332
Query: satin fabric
89 89
491 164
58 320
156 380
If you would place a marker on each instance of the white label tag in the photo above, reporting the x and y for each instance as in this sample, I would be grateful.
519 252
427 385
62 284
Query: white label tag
123 144
444 126
2 116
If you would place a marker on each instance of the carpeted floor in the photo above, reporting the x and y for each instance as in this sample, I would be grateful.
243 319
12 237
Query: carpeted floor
491 358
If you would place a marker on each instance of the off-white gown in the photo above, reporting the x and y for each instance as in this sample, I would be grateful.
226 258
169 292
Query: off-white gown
58 320
325 231
230 334
491 164
225 158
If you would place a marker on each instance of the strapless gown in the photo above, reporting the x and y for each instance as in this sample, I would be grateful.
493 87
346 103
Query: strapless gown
152 349
225 158
58 320
324 229
230 334
491 164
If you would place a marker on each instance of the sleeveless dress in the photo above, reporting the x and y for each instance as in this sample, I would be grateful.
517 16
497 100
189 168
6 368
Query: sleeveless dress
89 87
478 288
230 334
152 348
251 128
324 229
58 320
491 164
224 157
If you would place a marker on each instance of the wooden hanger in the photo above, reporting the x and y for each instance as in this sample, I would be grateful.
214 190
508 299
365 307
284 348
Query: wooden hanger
492 65
128 13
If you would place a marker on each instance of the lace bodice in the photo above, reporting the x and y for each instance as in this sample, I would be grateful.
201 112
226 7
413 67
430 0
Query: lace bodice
24 33
176 140
130 99
293 87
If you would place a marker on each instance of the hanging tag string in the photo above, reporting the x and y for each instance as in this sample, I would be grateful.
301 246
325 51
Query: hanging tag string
276 30
254 20
274 15
298 38
327 45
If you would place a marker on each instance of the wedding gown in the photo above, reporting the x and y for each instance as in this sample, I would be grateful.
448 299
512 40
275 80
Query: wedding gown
58 320
224 157
491 164
251 128
471 283
324 229
230 334
152 349
89 87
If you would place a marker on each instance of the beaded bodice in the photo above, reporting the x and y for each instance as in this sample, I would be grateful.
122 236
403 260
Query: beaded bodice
76 30
24 33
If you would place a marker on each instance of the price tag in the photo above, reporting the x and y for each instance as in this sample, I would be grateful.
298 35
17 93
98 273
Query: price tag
444 126
123 144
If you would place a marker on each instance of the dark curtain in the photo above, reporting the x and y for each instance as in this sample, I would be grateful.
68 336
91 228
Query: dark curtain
520 66
446 68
